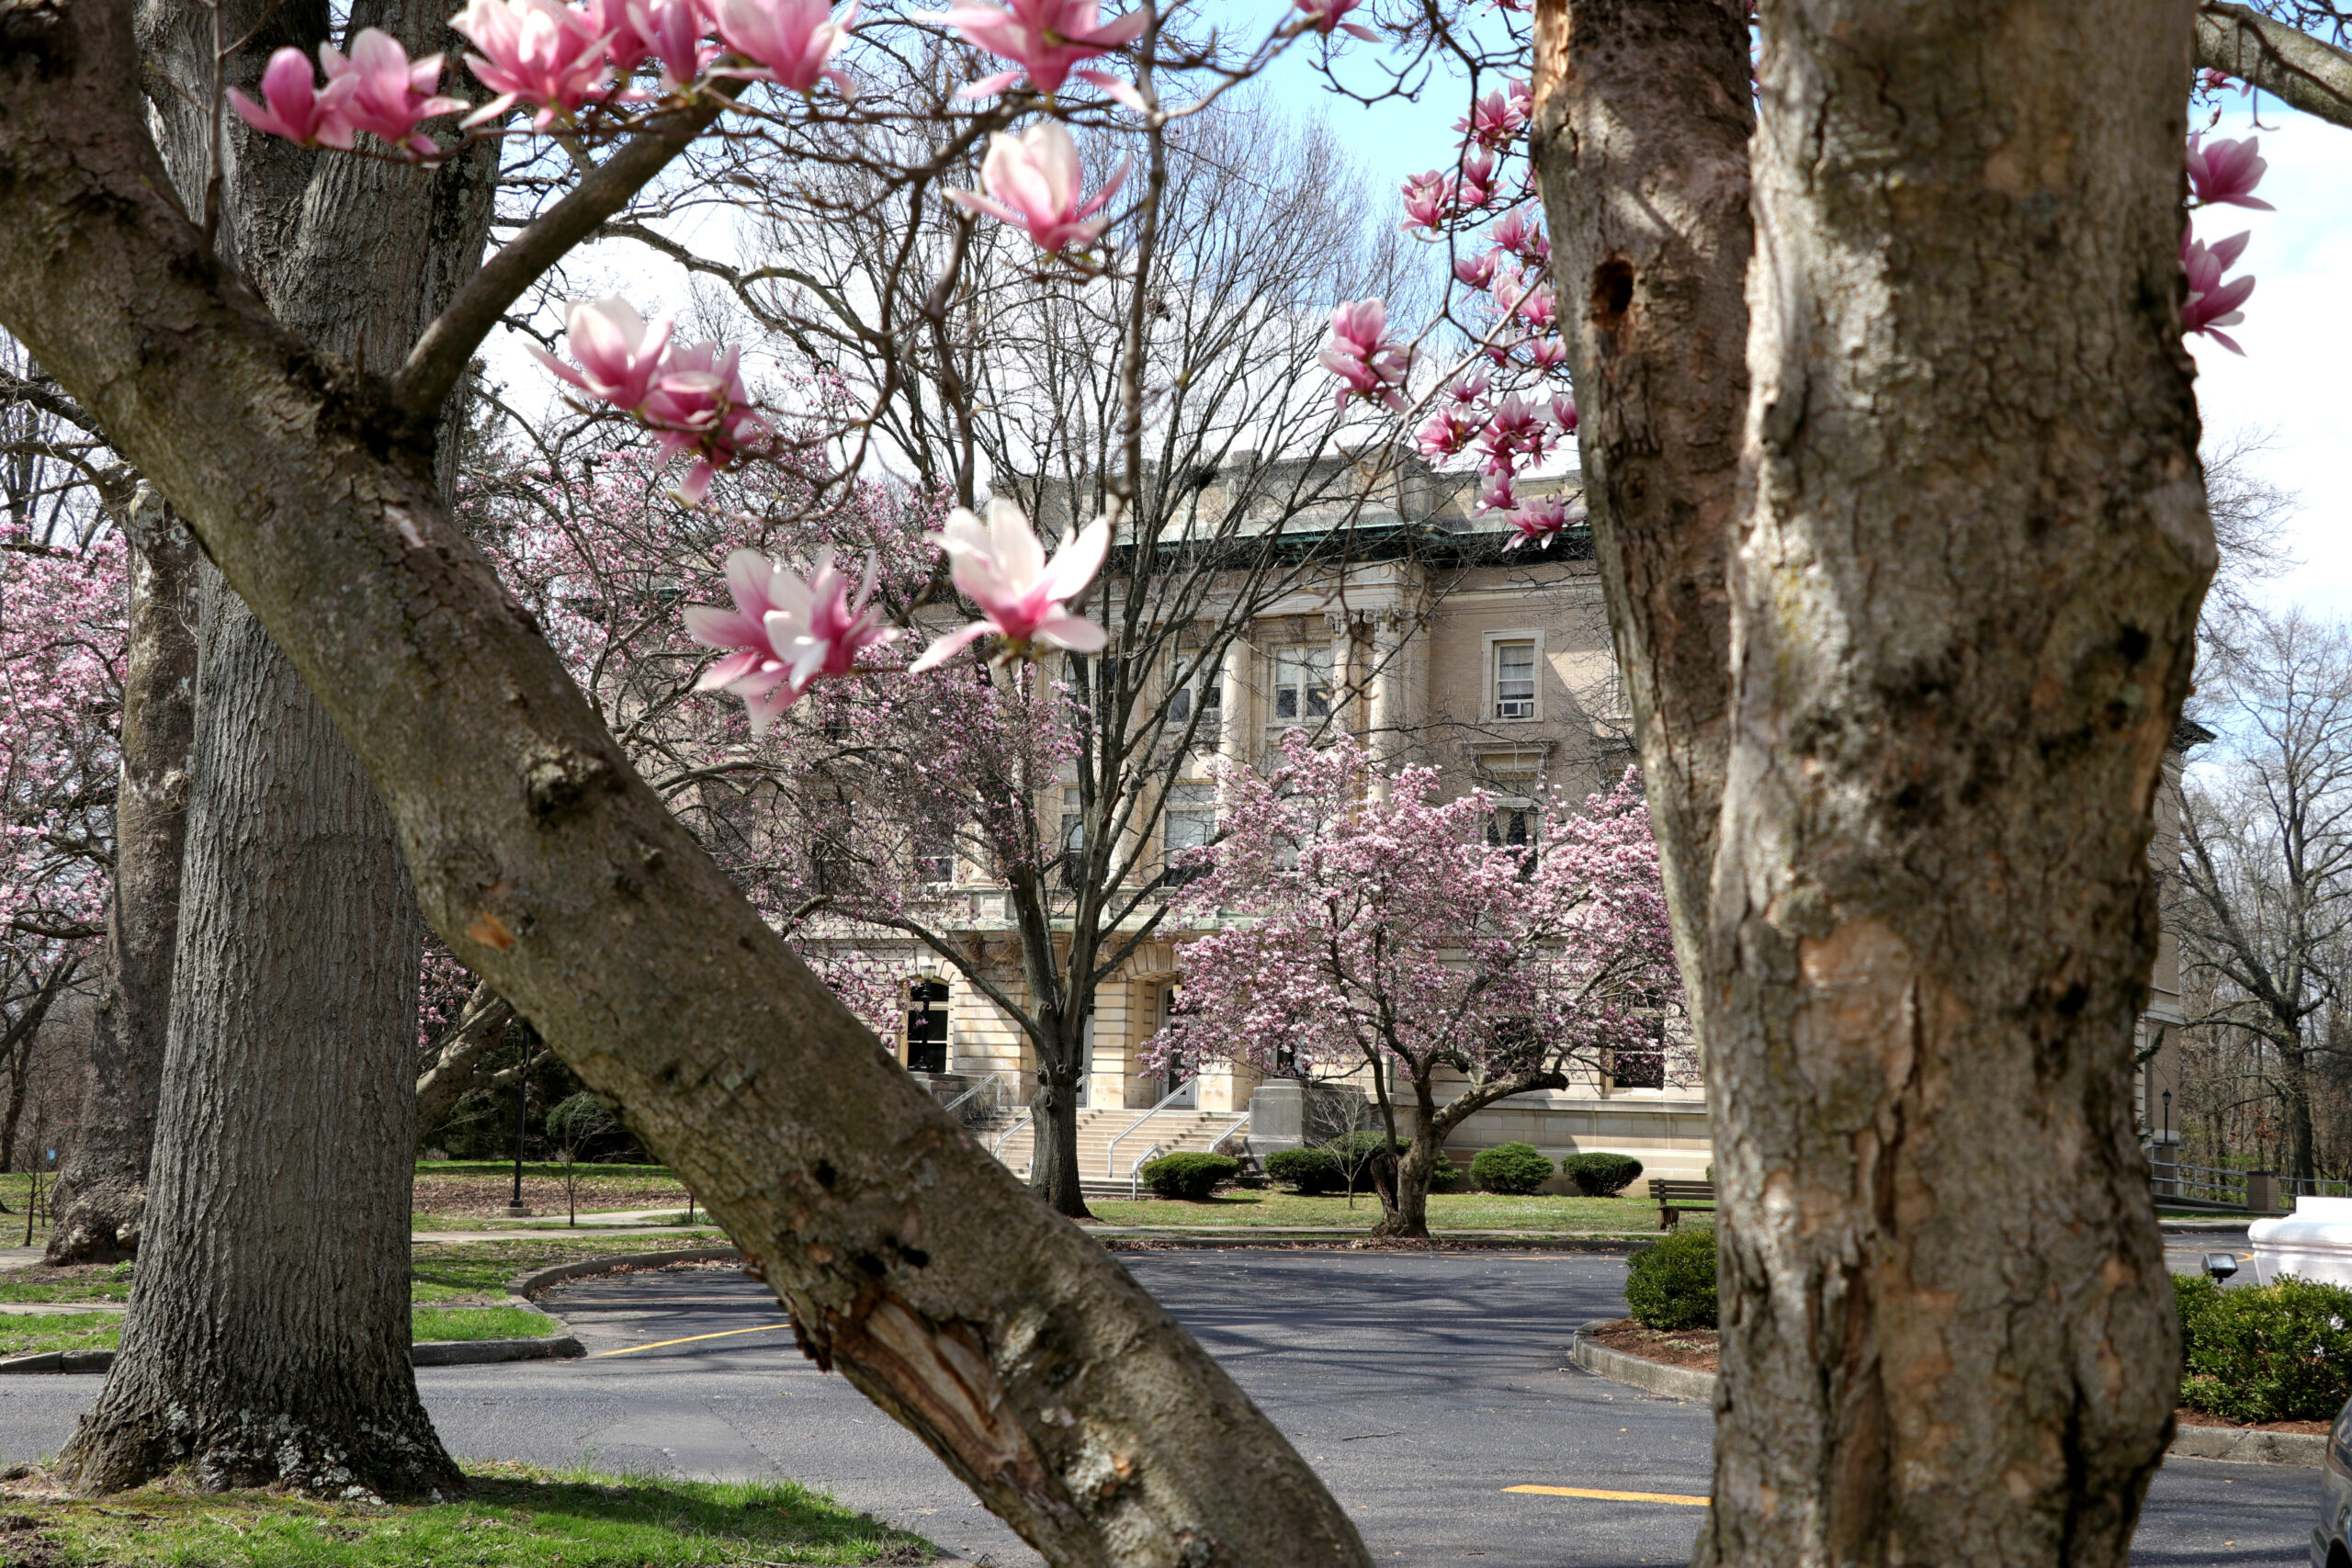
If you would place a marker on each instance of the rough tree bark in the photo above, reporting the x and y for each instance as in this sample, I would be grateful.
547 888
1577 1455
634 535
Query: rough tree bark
102 1186
1640 141
1963 611
268 1342
1010 1341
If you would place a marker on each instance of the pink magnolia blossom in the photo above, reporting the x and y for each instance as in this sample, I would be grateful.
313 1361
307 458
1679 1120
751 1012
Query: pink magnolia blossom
2226 172
1044 39
627 42
1034 182
1540 520
1476 186
1479 274
1496 119
534 51
1564 413
700 405
999 566
1360 354
1322 16
621 356
674 31
2211 303
1427 198
1499 494
790 41
390 94
786 634
1537 307
1447 433
1521 234
1468 389
1548 354
298 108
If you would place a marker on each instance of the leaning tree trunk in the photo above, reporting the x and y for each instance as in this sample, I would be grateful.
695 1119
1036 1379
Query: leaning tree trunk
455 1063
269 1340
1019 1351
102 1187
1963 613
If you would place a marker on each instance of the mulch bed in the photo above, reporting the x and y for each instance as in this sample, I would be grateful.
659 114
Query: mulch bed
1692 1347
1696 1348
542 1194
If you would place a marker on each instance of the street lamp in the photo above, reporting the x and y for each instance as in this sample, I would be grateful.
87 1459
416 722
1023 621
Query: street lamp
522 1103
2166 1139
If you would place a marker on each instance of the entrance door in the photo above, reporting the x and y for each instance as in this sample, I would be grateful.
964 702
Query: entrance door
1180 1074
927 1026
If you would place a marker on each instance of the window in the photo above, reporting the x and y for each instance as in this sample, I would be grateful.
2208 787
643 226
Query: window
1073 854
935 854
1301 683
1642 1069
1187 822
1515 679
1206 692
927 1026
830 846
1515 823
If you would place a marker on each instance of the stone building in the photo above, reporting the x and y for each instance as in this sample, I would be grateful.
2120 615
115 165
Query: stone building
1495 665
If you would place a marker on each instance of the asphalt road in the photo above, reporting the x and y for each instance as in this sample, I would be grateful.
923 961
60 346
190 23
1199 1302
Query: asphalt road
1421 1386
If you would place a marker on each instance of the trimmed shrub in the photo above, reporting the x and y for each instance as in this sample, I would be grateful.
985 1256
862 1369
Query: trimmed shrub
1516 1168
1671 1283
1306 1171
1189 1176
1600 1176
2280 1352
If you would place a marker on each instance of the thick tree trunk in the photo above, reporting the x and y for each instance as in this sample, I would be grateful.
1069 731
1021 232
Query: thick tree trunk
267 1342
282 1164
102 1187
1054 1173
1963 616
1641 124
1009 1340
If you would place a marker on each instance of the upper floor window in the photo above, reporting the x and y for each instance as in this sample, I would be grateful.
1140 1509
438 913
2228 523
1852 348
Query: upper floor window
934 855
1301 683
1514 678
1203 691
1187 822
1073 855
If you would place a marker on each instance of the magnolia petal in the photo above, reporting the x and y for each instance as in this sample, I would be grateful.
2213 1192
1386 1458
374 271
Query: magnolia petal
1075 633
948 646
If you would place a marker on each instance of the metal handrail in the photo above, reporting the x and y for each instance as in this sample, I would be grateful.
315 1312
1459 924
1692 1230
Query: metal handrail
1135 1171
988 1082
996 1150
1110 1166
1239 1122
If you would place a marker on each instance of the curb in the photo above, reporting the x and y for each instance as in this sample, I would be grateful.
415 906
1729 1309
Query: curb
1651 1377
2238 1445
425 1353
1355 1241
526 1286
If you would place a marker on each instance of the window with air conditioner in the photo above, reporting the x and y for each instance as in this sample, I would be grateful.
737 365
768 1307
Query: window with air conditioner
1301 683
1514 678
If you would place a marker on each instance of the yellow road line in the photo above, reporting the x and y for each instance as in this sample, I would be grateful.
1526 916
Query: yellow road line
1614 1496
632 1349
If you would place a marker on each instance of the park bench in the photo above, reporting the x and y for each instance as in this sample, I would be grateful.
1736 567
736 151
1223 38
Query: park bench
1674 1197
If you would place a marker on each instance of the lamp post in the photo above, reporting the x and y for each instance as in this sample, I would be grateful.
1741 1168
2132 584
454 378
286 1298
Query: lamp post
2166 1139
522 1103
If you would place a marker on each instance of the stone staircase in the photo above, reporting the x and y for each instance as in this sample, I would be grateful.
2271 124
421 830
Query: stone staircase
1173 1131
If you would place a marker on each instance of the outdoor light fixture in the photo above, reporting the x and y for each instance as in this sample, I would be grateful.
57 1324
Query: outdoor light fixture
2167 1138
2221 1266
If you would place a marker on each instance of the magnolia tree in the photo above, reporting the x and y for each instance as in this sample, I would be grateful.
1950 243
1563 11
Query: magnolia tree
1371 930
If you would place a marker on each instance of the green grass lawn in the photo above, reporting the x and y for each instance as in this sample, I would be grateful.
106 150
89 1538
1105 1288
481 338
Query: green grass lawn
511 1517
653 1176
102 1330
1448 1211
